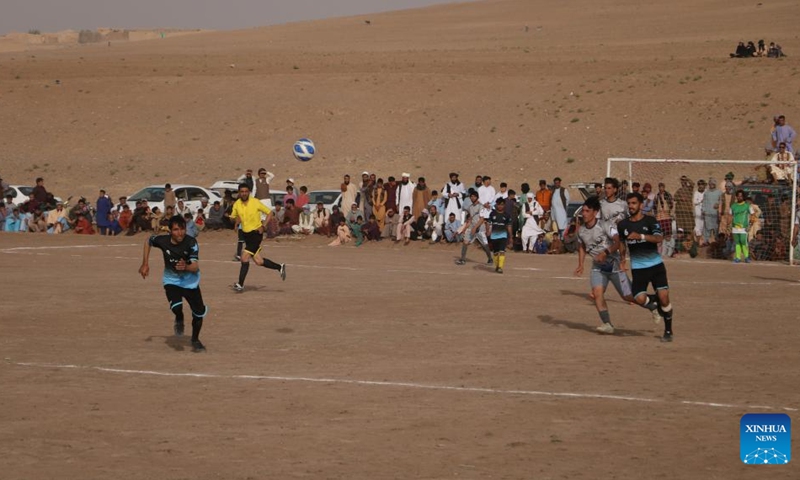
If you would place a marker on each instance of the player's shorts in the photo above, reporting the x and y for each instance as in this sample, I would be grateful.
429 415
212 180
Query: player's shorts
479 236
643 277
499 244
599 277
176 294
252 241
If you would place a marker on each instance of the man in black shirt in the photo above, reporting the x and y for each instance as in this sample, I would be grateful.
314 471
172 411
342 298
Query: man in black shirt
500 234
181 275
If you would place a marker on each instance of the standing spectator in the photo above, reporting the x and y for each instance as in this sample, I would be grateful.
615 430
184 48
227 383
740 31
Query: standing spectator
349 192
453 194
755 220
3 185
39 192
486 196
104 207
247 179
697 201
531 229
648 208
391 195
169 197
711 203
405 193
420 198
478 182
365 194
544 195
783 133
684 209
725 217
303 198
664 206
261 184
290 195
436 201
560 202
379 199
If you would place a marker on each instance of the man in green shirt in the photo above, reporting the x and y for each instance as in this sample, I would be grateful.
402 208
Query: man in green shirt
741 211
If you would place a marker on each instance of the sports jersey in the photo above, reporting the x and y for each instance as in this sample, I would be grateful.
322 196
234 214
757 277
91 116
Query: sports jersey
598 238
613 211
499 222
644 254
473 211
187 250
741 217
249 213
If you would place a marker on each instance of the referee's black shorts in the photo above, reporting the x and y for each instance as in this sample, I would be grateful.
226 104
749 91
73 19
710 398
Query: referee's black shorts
252 241
643 277
499 244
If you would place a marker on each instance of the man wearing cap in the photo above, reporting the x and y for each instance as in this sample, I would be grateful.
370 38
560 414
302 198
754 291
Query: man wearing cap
472 229
349 192
405 193
697 201
261 184
711 204
453 194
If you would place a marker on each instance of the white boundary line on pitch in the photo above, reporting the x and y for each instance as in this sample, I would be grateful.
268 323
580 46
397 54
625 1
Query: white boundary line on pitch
376 383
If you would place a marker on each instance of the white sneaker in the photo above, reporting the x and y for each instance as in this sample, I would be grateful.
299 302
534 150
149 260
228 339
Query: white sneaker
237 288
656 316
606 328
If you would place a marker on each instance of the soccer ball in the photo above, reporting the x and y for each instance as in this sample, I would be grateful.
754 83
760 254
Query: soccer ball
304 149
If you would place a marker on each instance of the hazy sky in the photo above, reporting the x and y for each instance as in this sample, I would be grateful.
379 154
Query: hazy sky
54 15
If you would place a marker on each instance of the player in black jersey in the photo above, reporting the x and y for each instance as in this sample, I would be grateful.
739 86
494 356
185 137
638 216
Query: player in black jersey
641 234
500 234
181 275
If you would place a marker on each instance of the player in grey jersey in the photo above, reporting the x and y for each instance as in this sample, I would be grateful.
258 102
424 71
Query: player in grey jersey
612 208
601 241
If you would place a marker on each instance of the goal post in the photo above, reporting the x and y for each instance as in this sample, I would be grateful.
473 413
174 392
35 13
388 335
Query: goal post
770 185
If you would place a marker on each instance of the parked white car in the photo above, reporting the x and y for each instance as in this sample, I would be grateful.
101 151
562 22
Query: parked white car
232 186
329 198
21 193
192 196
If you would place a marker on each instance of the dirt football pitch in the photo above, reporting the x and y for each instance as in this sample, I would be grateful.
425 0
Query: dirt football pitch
381 361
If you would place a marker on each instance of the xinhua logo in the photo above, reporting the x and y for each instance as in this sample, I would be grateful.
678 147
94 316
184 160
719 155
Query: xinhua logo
765 439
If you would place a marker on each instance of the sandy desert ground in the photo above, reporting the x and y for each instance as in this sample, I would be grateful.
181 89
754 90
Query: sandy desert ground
454 87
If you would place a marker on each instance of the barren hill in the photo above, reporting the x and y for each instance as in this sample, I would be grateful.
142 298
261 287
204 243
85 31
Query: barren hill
520 89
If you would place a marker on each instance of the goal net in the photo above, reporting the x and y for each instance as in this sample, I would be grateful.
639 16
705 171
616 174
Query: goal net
697 217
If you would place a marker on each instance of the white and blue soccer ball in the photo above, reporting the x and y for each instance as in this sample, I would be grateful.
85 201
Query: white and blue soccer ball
304 149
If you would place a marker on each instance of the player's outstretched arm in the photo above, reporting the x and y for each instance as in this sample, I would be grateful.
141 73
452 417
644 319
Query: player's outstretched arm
144 270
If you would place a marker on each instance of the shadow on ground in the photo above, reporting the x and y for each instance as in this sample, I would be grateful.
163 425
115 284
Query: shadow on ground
619 332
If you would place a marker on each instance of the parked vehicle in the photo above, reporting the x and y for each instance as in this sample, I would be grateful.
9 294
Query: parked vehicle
192 196
232 186
21 193
329 198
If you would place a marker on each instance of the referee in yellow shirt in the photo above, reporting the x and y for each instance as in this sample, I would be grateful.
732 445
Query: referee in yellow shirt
247 212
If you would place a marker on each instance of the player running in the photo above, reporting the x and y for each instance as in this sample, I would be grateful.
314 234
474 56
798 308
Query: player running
181 275
641 234
500 234
247 212
600 240
472 229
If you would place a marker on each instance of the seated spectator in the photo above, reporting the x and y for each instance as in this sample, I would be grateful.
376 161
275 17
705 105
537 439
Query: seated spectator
37 222
200 220
371 229
180 208
305 224
122 202
342 234
215 220
759 248
540 246
57 221
390 225
571 237
303 198
125 217
774 51
159 219
404 227
751 50
82 225
290 195
114 228
434 224
762 49
355 230
418 231
322 220
781 169
291 218
13 221
353 213
451 228
334 220
741 51
191 227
